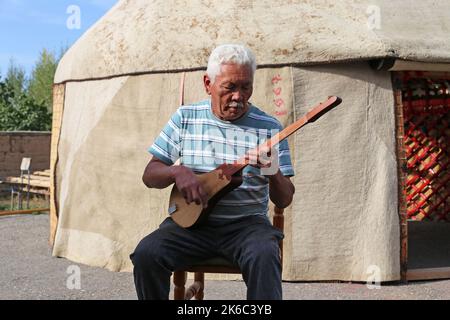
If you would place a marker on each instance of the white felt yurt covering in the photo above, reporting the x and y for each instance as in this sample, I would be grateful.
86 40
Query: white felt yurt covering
120 83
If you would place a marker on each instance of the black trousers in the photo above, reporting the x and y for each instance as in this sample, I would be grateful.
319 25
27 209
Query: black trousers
251 243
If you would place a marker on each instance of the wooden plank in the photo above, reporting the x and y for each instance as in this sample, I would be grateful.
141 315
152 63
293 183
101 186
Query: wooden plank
34 183
59 91
28 211
401 175
43 191
45 173
34 189
428 274
38 177
25 178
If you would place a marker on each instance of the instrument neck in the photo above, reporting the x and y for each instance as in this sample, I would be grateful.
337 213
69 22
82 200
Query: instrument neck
238 165
241 163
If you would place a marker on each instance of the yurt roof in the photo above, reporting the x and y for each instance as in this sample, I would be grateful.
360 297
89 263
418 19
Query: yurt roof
140 36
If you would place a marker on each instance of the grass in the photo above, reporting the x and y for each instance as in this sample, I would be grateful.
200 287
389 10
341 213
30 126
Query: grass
36 201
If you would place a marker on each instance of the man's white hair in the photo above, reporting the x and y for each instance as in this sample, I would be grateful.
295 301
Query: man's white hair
227 54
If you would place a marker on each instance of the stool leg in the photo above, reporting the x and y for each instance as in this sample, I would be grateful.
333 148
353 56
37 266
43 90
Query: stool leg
20 200
199 277
179 281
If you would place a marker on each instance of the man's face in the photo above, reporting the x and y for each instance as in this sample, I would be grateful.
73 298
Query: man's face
230 91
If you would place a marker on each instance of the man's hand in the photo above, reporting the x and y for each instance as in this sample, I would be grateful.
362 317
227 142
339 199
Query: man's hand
189 186
160 175
265 159
281 189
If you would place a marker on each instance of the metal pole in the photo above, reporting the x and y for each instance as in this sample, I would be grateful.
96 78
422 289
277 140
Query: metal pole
28 190
12 198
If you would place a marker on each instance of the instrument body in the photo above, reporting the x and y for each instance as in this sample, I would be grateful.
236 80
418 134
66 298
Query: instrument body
216 184
220 181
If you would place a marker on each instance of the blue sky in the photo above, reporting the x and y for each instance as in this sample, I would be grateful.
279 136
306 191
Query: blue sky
28 26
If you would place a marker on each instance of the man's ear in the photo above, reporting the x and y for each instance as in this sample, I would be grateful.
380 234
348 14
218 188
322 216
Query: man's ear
207 83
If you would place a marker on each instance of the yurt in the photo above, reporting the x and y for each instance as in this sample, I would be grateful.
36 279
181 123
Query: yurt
362 171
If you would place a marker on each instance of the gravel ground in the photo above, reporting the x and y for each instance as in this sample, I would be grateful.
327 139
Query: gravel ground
29 272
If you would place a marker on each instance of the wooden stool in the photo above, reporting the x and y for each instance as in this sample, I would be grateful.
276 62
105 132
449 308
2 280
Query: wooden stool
215 265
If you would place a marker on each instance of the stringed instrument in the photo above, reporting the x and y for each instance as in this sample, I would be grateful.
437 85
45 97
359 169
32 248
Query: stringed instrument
220 181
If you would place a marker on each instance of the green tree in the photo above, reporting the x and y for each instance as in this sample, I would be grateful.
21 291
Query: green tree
40 86
16 78
19 112
26 104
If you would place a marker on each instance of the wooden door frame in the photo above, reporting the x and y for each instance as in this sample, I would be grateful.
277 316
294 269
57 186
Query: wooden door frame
419 273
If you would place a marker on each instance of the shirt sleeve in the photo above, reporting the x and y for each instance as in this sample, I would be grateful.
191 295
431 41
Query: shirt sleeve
167 145
284 156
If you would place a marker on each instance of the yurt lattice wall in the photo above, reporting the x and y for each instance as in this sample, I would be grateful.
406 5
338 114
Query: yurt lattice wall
426 116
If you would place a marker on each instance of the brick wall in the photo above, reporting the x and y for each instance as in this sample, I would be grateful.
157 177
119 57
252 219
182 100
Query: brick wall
16 145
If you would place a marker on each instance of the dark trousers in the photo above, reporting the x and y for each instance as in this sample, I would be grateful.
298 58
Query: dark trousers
251 243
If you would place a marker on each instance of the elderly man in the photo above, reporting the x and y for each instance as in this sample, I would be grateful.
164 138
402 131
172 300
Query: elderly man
204 135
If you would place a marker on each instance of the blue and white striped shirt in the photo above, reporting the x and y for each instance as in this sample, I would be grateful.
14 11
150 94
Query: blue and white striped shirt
202 142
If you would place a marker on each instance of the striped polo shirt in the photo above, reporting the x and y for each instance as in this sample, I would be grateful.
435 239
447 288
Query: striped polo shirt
202 142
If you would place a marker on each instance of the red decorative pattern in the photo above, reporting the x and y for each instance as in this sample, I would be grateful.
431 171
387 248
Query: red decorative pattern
280 109
426 106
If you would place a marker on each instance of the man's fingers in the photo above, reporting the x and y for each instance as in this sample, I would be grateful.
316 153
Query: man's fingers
196 194
261 156
198 197
203 196
265 150
188 195
260 161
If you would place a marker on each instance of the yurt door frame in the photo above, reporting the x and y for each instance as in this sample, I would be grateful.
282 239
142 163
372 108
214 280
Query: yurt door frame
422 152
